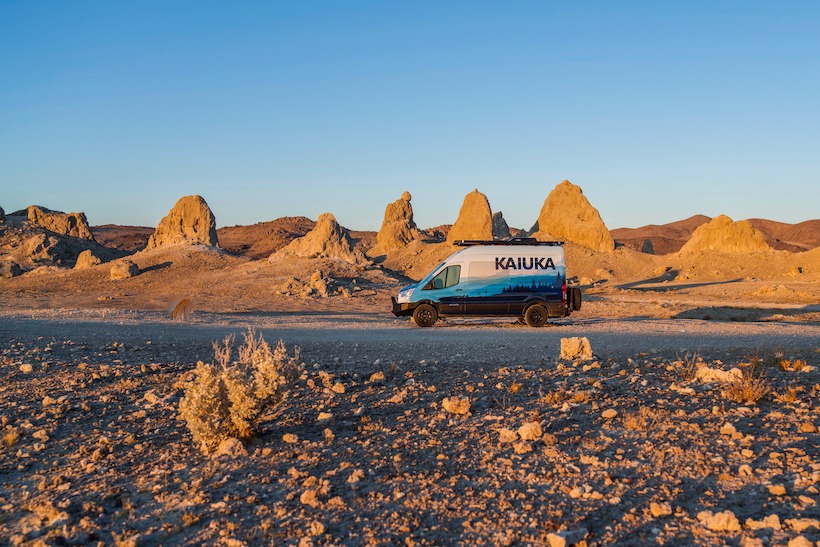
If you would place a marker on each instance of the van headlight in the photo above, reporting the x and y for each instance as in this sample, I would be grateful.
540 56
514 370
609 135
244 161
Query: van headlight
404 296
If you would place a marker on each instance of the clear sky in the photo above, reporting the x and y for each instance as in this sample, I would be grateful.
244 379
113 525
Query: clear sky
658 110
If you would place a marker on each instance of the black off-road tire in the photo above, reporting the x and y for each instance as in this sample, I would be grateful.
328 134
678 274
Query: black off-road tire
536 315
425 315
575 298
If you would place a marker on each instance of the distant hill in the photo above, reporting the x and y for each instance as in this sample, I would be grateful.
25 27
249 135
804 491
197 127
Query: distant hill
124 238
669 238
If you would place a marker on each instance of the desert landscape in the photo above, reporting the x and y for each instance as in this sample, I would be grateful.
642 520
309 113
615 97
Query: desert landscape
679 405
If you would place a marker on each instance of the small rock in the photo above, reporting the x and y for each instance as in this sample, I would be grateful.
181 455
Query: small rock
800 541
777 489
231 447
660 509
325 416
290 438
26 367
725 521
566 537
576 349
338 388
456 405
799 525
506 436
377 377
744 470
530 431
124 269
48 401
727 429
317 528
808 427
609 413
308 497
772 521
522 447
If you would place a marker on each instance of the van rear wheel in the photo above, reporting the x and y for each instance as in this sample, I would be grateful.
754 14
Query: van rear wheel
425 315
536 316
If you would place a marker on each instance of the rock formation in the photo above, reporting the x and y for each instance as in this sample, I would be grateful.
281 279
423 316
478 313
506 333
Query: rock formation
67 224
86 259
500 228
398 228
123 269
723 235
475 219
2 216
568 215
190 221
327 240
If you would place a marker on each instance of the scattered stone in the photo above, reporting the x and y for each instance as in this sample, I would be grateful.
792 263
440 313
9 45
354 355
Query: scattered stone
48 401
377 377
708 375
231 447
456 405
777 489
86 259
609 414
808 427
573 349
660 509
506 436
802 524
475 219
522 447
309 497
189 221
530 431
800 541
727 429
338 388
290 438
771 521
724 521
566 537
26 367
744 470
317 528
123 269
568 216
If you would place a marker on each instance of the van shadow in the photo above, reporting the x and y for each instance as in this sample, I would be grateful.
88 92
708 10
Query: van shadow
741 314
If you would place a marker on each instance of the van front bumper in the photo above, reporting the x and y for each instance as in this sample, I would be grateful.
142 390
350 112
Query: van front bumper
404 309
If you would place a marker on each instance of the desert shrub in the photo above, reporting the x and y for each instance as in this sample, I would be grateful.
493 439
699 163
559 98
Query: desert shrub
687 366
750 387
227 398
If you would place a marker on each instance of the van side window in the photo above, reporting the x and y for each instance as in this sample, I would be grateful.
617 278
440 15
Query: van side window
447 277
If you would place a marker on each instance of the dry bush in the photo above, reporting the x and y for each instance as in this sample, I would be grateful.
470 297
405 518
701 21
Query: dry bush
789 396
751 387
10 437
687 366
789 365
227 398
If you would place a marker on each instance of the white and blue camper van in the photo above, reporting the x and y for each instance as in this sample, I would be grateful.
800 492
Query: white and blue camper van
518 277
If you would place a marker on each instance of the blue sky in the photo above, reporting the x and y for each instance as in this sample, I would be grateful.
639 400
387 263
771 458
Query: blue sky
657 110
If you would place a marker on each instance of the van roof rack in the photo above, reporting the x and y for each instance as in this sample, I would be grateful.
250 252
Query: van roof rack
508 241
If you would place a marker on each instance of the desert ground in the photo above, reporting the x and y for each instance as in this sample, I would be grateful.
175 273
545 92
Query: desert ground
691 419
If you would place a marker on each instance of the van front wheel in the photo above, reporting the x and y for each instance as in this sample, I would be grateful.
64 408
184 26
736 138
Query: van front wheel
536 316
425 315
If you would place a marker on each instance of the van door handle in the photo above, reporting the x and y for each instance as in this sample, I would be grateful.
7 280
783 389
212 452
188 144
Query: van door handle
458 290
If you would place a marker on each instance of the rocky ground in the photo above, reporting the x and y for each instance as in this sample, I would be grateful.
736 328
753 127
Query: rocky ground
473 431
